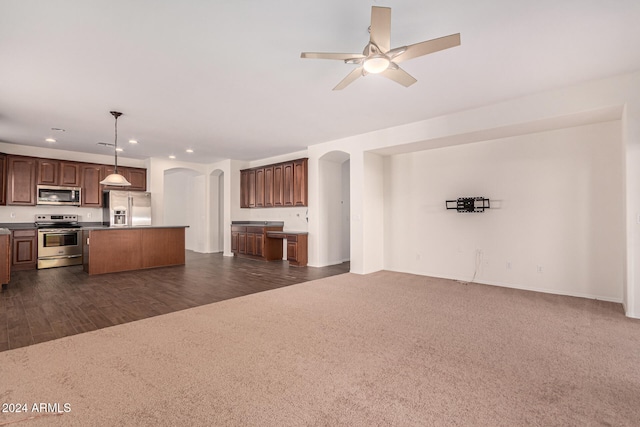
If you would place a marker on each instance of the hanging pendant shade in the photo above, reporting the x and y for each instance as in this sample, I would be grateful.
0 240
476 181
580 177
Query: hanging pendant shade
115 178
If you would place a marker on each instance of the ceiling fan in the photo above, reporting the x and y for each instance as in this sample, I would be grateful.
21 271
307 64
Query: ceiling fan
378 57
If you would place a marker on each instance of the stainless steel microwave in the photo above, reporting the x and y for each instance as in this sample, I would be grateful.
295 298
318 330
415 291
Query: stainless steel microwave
53 195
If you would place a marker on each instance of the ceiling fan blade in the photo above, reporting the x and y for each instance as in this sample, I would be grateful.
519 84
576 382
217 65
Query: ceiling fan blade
380 29
326 55
398 75
357 72
430 46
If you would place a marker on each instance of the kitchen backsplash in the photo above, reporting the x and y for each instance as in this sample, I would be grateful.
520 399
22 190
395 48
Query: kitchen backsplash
10 214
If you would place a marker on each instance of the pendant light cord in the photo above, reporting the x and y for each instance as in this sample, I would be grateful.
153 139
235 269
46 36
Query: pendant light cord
115 168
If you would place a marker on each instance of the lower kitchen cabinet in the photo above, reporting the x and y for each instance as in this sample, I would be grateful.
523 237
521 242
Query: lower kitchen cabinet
297 246
24 249
5 256
250 240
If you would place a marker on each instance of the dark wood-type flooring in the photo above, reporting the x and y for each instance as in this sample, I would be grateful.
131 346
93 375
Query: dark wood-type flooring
43 305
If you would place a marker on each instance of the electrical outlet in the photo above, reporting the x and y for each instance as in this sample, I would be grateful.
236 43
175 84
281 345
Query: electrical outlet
88 214
12 215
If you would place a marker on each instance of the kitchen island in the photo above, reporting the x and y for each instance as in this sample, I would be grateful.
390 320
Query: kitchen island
113 249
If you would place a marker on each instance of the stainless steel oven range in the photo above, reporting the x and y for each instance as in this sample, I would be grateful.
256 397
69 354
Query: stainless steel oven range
59 240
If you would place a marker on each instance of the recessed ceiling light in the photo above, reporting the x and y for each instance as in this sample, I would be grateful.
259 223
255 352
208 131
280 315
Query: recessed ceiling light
189 150
172 156
57 129
50 140
119 149
133 141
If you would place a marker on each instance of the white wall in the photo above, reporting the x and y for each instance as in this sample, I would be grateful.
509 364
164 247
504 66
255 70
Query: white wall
555 222
184 204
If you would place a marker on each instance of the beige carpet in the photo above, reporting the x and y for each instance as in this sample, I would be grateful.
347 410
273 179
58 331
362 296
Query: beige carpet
382 349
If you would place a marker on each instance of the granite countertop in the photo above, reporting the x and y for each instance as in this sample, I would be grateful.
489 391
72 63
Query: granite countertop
4 231
18 225
287 232
84 226
258 223
134 227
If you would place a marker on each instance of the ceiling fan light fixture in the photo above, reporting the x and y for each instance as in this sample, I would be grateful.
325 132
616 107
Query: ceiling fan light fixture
375 64
115 178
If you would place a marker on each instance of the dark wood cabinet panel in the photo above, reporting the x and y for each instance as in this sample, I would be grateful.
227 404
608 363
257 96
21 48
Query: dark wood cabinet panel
25 249
48 172
259 200
69 175
91 189
3 179
287 184
138 179
234 241
21 180
5 258
278 196
300 182
268 187
252 189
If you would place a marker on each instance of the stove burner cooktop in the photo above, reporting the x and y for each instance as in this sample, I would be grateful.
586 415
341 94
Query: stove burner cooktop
51 220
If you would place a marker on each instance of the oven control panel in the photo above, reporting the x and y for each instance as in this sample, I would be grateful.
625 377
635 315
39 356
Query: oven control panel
58 218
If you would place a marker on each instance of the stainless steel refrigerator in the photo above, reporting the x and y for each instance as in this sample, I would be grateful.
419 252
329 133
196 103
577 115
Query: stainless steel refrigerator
126 208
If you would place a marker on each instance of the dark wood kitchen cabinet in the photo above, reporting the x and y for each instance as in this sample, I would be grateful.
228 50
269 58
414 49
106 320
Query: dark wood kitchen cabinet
278 196
21 180
24 249
5 257
91 176
268 187
48 172
3 179
259 188
136 176
277 185
69 175
300 182
251 241
248 188
58 172
138 179
287 184
297 246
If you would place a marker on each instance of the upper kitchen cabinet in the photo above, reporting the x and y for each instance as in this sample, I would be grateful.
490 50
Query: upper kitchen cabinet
3 179
21 180
276 185
300 182
58 172
138 179
91 189
69 175
48 172
248 188
136 176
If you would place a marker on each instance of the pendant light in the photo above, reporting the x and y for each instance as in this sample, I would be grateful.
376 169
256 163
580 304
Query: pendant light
115 178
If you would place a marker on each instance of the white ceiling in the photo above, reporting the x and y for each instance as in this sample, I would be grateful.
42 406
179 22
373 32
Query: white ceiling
225 78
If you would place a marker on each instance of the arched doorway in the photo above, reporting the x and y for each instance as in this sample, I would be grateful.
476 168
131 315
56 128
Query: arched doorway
184 204
216 211
334 208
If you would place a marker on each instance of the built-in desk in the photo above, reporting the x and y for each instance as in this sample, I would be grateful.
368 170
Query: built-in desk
296 245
